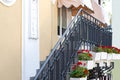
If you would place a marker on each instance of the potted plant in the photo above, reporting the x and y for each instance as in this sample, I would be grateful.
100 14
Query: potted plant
101 51
113 52
86 58
110 52
78 73
96 53
116 53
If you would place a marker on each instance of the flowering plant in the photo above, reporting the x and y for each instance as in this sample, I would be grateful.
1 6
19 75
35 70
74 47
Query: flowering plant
115 50
79 72
81 64
107 49
83 51
84 55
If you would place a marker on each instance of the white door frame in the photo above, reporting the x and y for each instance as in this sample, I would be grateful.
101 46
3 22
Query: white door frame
30 40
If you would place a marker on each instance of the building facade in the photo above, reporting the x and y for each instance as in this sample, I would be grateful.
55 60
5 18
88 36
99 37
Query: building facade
29 29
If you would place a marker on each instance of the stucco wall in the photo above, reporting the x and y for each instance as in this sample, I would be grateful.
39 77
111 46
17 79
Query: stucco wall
116 70
10 42
48 27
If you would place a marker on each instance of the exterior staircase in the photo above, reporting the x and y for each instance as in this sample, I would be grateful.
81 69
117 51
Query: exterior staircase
84 32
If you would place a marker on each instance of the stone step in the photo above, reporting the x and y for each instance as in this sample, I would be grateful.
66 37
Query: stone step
32 78
41 63
68 76
37 71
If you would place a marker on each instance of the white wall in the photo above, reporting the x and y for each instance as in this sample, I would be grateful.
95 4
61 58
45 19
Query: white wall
30 47
116 35
116 22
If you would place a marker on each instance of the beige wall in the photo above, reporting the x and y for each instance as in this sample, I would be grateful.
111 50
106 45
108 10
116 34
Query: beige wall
10 42
48 27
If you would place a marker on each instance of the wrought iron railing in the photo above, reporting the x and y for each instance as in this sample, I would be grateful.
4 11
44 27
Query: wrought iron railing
84 31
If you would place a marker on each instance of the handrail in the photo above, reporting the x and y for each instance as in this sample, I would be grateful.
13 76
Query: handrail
57 44
68 31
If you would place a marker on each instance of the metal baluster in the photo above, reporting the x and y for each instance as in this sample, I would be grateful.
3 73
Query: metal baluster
84 30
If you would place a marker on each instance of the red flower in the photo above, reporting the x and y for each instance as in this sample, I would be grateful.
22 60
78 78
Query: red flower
79 63
109 47
85 51
74 67
118 50
79 51
90 55
86 71
103 47
82 51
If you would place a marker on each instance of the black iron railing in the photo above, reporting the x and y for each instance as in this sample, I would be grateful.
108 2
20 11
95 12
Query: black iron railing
84 31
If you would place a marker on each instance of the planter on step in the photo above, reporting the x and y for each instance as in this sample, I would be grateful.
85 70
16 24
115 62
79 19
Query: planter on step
88 64
96 55
116 56
110 56
78 78
103 55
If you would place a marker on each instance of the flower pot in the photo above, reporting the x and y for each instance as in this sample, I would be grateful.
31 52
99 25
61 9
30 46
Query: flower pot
110 56
103 55
85 78
116 56
88 64
96 56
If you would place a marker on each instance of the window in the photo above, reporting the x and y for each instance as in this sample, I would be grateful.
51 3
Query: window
62 20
